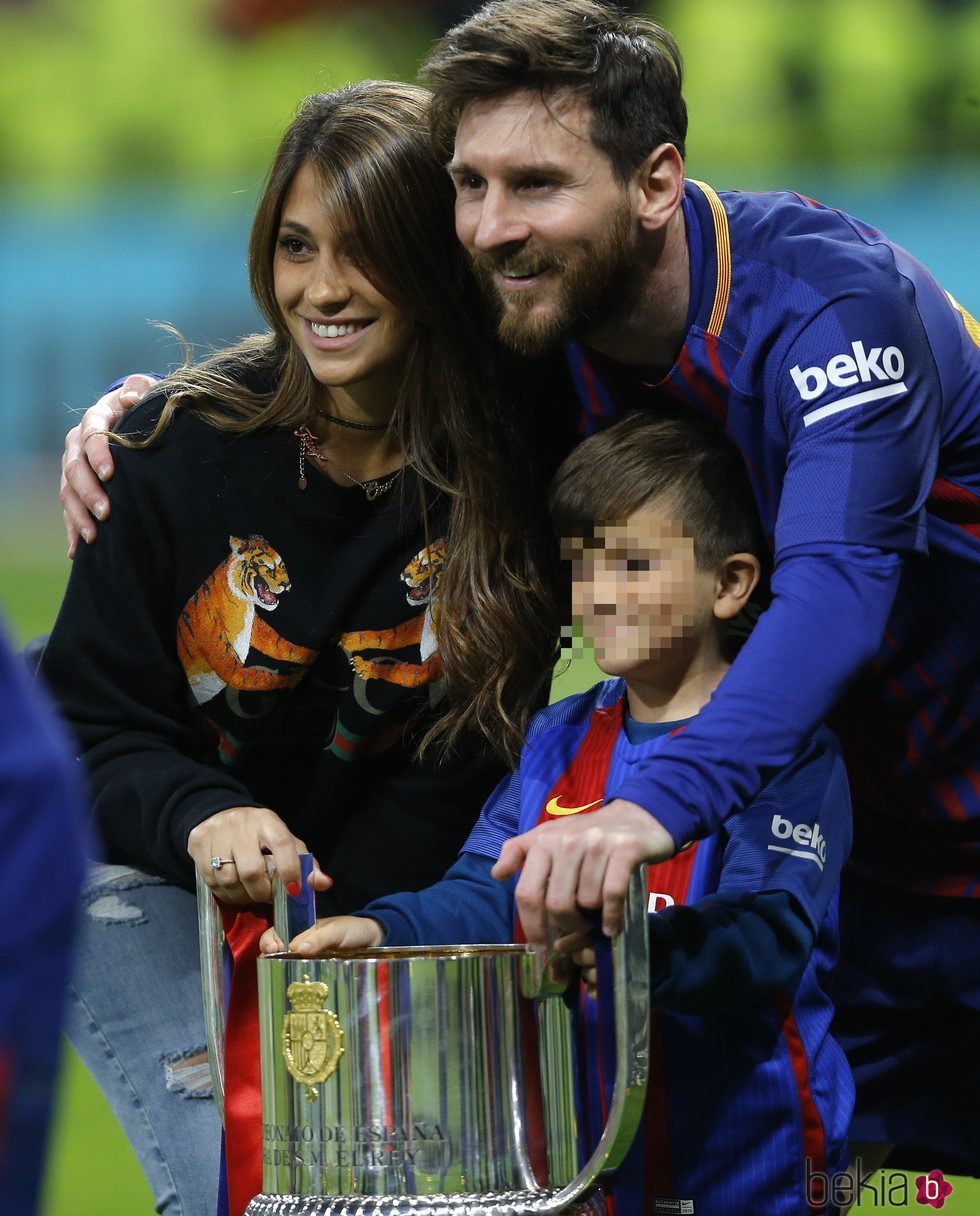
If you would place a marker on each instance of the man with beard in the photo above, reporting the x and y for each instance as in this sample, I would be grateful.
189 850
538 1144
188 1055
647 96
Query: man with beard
851 384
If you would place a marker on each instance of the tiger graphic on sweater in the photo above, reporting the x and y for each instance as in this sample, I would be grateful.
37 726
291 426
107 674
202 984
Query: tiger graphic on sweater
421 578
218 625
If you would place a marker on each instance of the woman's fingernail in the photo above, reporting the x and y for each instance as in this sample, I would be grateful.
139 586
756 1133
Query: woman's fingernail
293 888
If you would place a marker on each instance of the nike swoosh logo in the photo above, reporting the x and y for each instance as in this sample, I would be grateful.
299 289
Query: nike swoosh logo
553 808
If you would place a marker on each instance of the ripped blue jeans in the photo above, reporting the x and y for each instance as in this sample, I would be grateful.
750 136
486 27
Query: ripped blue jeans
135 1018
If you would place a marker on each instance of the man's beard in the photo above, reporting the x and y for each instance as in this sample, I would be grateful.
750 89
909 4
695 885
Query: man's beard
594 288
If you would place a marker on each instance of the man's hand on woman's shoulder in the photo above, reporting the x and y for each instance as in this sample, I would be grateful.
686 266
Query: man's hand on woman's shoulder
87 460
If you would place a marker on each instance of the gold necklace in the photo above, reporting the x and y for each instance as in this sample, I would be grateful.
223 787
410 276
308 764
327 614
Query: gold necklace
309 446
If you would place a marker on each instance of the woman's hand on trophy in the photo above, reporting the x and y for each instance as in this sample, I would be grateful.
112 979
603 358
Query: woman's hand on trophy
330 935
580 862
87 460
232 852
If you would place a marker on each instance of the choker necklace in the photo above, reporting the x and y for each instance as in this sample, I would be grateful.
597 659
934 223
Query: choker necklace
354 426
309 446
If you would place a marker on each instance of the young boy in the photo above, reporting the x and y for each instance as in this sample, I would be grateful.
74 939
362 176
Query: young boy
749 1098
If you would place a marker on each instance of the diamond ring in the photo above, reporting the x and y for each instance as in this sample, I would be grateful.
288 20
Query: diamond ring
218 862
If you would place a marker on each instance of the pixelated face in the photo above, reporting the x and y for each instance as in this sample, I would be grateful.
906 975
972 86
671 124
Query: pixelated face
638 593
550 232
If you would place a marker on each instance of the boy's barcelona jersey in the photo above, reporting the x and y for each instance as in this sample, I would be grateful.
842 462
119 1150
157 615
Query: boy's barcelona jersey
850 381
747 1102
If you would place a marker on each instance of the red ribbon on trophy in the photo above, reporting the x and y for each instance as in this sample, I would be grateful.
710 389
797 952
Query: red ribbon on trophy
243 928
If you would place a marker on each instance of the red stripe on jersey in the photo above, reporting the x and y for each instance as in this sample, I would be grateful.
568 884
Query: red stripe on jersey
950 800
814 1141
658 1176
595 401
956 885
955 504
711 346
973 776
714 358
961 720
704 389
583 783
581 788
673 876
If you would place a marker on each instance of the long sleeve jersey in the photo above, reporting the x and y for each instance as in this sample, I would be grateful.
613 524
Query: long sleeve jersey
850 381
747 1086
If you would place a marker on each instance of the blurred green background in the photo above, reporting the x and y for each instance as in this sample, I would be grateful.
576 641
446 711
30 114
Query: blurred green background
133 139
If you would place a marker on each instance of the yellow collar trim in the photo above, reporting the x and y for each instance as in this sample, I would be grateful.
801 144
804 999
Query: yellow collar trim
723 245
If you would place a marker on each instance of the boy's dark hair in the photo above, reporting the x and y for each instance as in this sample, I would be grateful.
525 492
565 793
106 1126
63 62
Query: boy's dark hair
627 67
669 453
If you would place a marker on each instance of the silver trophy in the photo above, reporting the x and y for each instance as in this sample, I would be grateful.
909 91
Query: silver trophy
431 1081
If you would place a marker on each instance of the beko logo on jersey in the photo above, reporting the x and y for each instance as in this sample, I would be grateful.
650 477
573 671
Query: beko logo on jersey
882 367
811 841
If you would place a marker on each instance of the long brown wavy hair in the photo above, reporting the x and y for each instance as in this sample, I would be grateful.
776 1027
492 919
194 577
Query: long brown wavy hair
391 206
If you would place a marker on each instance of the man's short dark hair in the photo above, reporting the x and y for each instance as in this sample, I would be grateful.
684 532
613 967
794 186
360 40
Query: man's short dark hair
627 67
666 453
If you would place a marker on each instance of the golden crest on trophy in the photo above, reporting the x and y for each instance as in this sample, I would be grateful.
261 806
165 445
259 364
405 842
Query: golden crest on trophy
312 1040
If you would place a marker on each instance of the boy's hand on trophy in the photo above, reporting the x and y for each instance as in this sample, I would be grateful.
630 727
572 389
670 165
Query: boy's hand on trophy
579 948
580 862
270 943
330 935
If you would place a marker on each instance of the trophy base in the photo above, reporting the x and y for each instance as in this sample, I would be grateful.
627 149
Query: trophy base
500 1203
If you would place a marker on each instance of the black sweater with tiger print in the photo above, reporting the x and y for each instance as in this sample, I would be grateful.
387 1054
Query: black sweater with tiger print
234 640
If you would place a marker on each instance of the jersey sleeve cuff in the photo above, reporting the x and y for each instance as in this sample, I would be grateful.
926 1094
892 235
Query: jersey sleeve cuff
398 929
681 824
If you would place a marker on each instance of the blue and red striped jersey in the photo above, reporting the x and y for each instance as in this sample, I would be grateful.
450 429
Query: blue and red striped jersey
850 382
746 1102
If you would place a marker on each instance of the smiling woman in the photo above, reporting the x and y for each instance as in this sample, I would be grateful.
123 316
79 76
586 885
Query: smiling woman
251 656
353 339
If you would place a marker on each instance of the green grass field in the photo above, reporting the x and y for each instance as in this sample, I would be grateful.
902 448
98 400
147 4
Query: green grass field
91 1169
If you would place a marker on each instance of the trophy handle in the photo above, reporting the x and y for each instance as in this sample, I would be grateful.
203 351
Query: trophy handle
291 914
631 993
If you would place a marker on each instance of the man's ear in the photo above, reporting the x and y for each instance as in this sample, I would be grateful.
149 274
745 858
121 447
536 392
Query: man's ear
738 577
660 185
